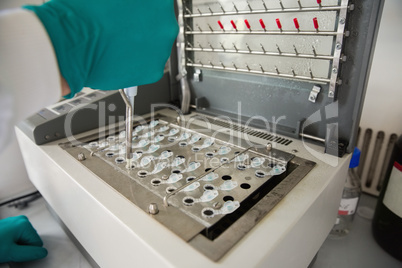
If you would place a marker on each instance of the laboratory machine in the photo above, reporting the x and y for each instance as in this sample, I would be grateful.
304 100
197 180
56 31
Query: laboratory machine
236 158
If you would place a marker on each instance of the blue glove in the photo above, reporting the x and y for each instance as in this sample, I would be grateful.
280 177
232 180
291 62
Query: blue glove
19 241
108 45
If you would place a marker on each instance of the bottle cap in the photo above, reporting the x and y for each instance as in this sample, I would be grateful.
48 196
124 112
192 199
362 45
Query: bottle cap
354 162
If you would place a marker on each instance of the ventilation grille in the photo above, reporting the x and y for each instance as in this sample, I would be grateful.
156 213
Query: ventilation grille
376 149
246 130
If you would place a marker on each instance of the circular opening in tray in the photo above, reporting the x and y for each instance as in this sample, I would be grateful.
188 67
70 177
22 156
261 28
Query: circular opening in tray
156 182
224 160
188 201
142 173
241 167
228 198
260 174
226 177
209 187
170 189
120 160
245 186
190 179
208 212
209 154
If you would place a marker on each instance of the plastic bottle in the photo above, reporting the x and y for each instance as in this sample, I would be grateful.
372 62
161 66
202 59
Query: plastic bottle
350 199
387 221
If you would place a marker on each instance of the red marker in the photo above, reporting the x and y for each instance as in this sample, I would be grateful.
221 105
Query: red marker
315 21
296 23
247 24
319 2
220 24
233 24
278 22
262 24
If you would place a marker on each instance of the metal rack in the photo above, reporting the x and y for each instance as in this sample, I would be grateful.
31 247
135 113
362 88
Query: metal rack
207 48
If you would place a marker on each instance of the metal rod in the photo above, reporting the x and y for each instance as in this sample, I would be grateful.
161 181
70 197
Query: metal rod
314 51
129 127
210 28
248 4
237 11
300 6
165 199
257 32
199 28
312 137
188 11
222 9
249 49
263 11
282 7
295 49
277 74
265 7
263 49
279 50
235 47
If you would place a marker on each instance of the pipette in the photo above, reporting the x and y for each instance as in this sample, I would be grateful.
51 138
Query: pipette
128 95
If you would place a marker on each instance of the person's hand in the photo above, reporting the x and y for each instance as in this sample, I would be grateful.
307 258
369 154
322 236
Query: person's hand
19 241
108 45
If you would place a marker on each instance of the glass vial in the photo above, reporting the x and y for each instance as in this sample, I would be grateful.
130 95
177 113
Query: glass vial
350 199
387 221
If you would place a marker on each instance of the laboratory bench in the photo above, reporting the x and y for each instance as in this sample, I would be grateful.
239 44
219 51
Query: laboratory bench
357 249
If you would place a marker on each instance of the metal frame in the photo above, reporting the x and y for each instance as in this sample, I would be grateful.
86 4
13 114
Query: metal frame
353 45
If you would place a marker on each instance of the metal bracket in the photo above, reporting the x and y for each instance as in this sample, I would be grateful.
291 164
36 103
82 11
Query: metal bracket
197 75
314 93
338 49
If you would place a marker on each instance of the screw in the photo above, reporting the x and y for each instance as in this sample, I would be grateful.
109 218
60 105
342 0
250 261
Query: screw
268 146
331 93
295 151
334 70
342 21
81 157
312 98
338 46
153 209
217 205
